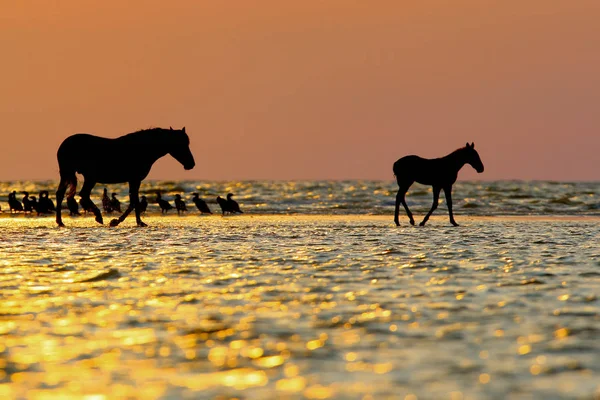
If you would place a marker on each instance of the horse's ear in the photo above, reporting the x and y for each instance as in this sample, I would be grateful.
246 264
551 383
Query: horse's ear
467 145
183 130
472 145
171 128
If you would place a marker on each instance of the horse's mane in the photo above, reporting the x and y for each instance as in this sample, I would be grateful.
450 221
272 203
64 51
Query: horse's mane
151 129
145 132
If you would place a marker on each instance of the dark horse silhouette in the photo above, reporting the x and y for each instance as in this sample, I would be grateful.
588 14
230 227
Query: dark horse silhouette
440 173
132 155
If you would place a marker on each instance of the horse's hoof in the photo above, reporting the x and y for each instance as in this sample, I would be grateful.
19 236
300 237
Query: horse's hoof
100 220
412 222
397 223
455 224
141 224
114 222
422 223
60 224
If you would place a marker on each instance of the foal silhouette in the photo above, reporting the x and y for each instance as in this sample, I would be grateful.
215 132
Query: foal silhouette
440 173
133 156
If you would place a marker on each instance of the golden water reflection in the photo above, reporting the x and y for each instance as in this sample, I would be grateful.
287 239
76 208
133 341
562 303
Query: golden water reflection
350 308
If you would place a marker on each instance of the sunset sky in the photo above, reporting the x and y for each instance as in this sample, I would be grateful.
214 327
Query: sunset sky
335 89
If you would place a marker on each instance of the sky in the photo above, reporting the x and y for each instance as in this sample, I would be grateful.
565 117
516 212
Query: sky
336 89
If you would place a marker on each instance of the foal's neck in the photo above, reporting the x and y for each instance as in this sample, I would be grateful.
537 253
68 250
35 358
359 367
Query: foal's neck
456 159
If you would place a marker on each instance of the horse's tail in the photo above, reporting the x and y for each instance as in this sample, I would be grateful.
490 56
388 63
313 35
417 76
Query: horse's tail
71 182
68 178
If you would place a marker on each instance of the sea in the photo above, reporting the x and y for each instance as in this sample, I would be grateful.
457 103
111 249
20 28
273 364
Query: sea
311 293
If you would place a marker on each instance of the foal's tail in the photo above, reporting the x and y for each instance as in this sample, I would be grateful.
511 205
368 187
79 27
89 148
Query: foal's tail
396 170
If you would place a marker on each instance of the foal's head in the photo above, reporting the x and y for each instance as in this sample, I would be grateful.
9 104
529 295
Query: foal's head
179 148
472 157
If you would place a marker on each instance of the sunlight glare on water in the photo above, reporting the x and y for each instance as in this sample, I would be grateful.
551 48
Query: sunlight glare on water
313 307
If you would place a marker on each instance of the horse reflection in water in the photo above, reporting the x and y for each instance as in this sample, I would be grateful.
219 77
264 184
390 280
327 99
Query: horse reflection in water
131 158
440 173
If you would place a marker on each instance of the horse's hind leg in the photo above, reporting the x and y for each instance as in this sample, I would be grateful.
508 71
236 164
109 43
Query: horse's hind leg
436 197
60 194
401 198
66 180
85 193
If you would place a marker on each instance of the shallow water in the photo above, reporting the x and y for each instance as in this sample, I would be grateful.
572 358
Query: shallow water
268 307
361 197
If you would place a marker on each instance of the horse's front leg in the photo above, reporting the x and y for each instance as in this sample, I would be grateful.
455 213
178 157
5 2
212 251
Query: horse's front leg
436 197
448 194
134 201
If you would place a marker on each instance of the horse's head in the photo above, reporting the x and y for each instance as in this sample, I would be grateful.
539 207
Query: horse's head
473 157
180 148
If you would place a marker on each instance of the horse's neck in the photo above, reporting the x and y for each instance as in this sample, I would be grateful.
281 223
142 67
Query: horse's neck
154 150
456 160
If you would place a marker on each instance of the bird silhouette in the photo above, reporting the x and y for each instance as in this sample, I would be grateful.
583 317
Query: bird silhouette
165 206
13 203
224 205
201 204
45 204
143 204
180 204
34 204
72 206
85 207
27 207
115 203
106 206
233 205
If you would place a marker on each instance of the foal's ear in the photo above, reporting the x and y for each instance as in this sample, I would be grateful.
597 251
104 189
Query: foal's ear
183 130
472 145
171 128
467 145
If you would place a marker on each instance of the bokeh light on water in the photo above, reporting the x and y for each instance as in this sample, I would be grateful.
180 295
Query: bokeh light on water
314 307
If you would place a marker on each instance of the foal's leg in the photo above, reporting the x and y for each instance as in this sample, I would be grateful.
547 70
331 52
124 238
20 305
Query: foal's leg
436 196
85 192
401 198
448 194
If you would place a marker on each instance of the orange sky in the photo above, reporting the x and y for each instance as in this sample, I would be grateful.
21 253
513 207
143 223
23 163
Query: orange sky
308 89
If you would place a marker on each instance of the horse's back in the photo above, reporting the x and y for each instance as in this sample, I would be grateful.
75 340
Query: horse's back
80 149
80 143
